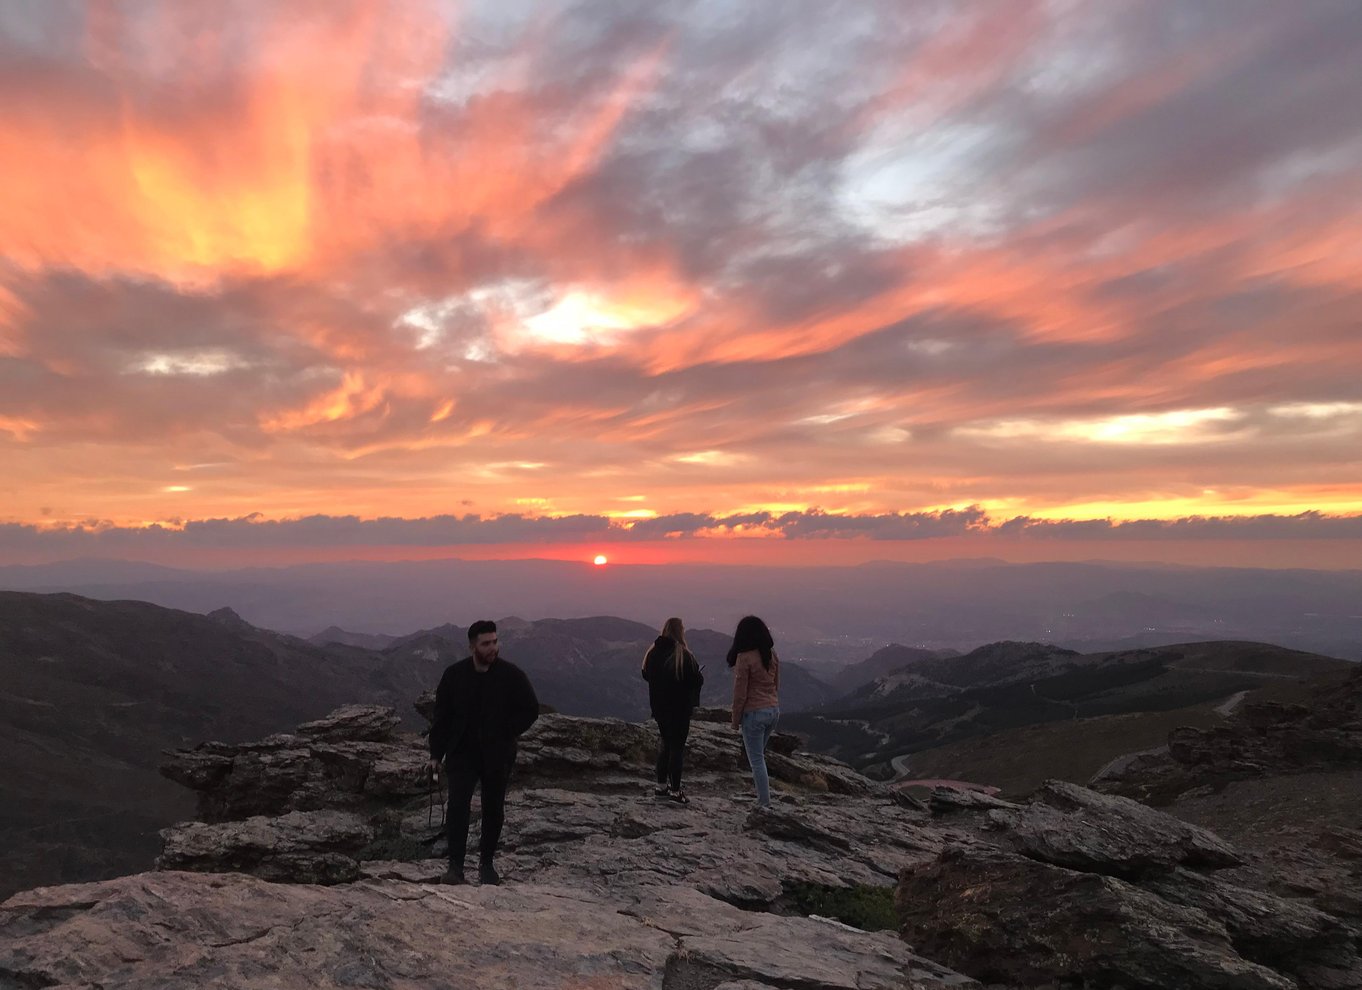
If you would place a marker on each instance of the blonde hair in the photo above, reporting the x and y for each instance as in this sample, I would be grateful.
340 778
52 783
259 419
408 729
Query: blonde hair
674 629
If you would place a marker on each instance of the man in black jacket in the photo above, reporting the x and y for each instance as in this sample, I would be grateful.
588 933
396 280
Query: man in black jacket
482 704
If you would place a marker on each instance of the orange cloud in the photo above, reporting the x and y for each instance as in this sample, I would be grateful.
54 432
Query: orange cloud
341 254
320 147
352 398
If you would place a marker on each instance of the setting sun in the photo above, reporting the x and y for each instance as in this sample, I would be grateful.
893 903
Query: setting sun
599 560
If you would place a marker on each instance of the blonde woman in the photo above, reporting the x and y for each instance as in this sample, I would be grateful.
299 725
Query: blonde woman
674 680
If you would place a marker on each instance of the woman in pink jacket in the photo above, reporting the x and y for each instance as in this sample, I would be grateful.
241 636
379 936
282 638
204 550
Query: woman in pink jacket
756 701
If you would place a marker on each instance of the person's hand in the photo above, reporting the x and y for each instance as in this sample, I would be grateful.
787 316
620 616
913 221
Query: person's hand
434 767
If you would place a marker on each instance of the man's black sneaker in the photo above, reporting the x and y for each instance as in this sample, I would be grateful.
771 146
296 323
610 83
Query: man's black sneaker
454 875
487 875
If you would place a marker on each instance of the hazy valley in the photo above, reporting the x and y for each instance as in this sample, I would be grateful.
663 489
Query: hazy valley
826 615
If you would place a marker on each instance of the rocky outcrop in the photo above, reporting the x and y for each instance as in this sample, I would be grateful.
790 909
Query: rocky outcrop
353 723
274 808
284 773
301 846
1258 740
1284 781
1074 827
1087 889
1008 919
353 759
607 886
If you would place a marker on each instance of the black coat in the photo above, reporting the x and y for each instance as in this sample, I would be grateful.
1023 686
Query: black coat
668 696
484 711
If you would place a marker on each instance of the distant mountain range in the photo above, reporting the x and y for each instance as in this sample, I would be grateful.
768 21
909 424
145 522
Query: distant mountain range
881 663
831 615
336 635
591 666
92 692
933 703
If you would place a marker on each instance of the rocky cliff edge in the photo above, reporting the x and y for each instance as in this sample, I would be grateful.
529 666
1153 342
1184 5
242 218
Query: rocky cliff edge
316 856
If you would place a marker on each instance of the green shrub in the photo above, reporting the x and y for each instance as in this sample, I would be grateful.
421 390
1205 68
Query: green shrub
400 847
870 909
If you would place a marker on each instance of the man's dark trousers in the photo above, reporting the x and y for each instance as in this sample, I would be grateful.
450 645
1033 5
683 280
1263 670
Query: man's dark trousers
466 768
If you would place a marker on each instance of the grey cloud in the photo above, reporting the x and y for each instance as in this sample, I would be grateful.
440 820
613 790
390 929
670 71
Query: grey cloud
1276 88
889 526
1304 526
468 530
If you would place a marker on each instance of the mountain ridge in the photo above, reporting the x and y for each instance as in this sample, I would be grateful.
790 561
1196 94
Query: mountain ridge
932 605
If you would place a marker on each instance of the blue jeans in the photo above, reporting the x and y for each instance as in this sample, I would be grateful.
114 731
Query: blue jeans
757 727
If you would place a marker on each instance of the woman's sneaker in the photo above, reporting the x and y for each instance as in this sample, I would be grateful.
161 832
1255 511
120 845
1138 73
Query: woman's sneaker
678 796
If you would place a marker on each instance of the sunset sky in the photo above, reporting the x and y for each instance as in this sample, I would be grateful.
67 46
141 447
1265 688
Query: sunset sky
790 280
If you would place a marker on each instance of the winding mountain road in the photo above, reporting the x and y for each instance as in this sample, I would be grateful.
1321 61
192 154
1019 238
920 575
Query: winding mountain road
900 781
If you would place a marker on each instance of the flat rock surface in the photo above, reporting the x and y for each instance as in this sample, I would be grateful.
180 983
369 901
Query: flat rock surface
606 885
178 929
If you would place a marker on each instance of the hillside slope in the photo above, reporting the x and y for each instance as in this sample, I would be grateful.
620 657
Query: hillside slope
1003 687
92 692
590 666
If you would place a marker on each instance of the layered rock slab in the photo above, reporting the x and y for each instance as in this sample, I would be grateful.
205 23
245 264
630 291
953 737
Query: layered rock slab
1008 919
1075 827
1088 889
178 929
301 846
581 818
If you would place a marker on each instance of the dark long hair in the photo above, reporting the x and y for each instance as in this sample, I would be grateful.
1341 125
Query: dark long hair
751 634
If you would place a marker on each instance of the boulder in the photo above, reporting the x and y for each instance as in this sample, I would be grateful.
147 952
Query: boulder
1287 934
1003 918
1072 826
372 723
304 847
953 800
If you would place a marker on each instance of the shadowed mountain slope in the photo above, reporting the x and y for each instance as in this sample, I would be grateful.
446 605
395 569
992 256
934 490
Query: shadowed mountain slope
92 692
1001 687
